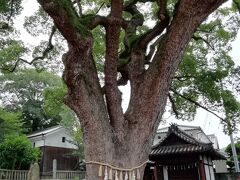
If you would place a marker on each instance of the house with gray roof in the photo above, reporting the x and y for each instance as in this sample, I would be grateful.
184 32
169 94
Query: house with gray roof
55 144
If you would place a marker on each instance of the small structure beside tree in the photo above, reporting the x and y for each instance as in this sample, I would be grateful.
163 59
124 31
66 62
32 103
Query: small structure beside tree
182 153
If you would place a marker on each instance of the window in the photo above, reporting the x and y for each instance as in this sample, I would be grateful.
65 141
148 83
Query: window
63 139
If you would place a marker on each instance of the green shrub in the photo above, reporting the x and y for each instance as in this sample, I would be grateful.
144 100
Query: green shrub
17 152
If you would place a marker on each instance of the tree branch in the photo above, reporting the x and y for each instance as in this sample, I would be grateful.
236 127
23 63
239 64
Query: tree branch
197 104
131 26
116 8
100 8
159 27
152 49
150 35
67 21
120 82
43 56
179 34
183 78
152 85
97 20
162 9
130 29
113 95
174 108
207 31
196 38
137 17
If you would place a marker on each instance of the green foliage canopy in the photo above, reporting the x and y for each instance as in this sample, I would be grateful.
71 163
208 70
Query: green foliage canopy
207 76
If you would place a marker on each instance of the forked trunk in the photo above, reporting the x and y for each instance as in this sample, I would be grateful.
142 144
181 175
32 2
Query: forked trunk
103 148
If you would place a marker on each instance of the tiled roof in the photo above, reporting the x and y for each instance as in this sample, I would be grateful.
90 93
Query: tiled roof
178 149
45 131
190 145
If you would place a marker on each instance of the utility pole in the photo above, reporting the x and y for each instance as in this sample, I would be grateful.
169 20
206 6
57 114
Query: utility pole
235 158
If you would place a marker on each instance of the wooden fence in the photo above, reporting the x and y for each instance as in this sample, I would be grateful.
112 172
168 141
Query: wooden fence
79 175
64 175
13 174
60 175
46 175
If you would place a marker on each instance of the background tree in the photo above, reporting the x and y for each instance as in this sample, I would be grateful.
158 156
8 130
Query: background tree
114 37
54 104
228 150
10 124
23 91
17 152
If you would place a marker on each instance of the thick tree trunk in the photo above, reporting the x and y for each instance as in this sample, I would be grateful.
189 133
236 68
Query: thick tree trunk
101 143
122 140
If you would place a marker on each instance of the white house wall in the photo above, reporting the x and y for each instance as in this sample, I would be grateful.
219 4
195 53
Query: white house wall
53 139
39 143
208 168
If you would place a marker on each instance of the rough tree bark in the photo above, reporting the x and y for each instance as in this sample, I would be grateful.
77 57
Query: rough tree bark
110 135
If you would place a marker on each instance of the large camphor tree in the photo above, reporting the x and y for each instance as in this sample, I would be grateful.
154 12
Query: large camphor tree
114 34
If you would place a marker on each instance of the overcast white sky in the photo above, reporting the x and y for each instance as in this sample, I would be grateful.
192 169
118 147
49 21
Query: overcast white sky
208 122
